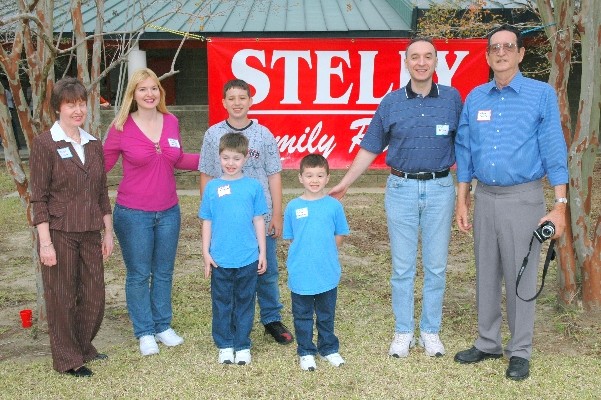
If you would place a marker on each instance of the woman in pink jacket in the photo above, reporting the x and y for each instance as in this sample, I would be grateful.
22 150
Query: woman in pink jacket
147 214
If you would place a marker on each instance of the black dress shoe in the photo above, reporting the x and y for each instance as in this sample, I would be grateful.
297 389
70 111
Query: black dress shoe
100 356
80 372
474 355
519 368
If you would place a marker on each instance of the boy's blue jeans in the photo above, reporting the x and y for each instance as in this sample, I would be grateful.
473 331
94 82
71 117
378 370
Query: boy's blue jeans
233 292
148 241
324 307
268 290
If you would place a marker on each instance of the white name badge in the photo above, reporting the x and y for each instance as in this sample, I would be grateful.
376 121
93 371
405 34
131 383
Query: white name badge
65 152
223 190
173 143
302 213
484 115
442 130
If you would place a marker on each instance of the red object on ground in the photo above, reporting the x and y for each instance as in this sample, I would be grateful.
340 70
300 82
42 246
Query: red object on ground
26 318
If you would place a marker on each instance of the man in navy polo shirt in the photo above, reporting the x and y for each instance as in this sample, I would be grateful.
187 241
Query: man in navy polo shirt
418 124
509 138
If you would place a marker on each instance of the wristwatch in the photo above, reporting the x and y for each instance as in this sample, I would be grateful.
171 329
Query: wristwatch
561 200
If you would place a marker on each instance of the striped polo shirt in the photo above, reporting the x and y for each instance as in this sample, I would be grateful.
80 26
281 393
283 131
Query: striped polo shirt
419 131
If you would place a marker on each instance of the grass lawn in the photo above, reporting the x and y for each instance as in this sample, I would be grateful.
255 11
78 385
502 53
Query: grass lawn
566 362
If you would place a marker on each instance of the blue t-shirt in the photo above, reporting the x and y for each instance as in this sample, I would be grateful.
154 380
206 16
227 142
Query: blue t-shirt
263 161
313 265
231 205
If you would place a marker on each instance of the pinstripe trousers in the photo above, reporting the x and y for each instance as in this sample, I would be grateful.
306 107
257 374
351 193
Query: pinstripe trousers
74 294
504 220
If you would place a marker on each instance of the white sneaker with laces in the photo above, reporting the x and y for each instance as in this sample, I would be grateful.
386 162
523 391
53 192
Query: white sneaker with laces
401 343
226 356
432 344
148 345
169 338
307 363
335 359
243 357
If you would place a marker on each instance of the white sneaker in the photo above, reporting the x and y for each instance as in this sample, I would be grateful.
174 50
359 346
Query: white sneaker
335 359
243 357
148 345
307 363
432 344
169 338
401 343
226 356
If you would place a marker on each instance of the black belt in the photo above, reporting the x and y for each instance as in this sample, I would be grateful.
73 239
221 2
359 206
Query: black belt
422 176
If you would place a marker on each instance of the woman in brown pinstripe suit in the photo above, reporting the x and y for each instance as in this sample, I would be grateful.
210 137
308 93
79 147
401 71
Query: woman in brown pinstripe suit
70 207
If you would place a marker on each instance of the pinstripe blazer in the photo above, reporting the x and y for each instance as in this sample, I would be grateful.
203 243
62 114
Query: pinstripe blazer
69 195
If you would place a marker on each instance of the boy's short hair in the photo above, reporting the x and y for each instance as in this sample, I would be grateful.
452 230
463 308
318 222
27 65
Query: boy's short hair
314 161
234 141
236 83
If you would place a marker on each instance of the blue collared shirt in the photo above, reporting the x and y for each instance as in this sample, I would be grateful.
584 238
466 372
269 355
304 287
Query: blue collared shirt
419 131
511 136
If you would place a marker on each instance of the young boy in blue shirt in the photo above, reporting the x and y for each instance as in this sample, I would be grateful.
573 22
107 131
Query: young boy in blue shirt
316 224
264 164
233 248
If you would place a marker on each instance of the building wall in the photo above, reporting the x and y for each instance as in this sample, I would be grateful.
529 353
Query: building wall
188 87
192 82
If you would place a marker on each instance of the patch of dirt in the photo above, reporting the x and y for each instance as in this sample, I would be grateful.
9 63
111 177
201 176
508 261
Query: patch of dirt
569 331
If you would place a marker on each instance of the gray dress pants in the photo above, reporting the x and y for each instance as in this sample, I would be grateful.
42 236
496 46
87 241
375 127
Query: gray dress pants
504 220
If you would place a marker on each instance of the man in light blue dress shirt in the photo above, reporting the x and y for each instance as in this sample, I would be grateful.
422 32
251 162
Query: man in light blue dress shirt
509 138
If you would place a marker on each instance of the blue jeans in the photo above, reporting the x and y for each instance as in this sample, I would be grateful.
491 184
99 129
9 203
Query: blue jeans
233 292
268 291
148 241
412 206
324 307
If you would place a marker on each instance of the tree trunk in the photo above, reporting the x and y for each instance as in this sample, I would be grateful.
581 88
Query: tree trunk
579 255
560 60
586 141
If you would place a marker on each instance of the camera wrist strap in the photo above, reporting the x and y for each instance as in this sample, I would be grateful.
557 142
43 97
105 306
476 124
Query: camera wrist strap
550 256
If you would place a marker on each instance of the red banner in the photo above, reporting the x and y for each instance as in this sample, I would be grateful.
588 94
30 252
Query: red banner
319 95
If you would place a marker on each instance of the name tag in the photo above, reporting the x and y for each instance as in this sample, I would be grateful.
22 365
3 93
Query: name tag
442 130
173 143
65 152
302 213
224 190
484 115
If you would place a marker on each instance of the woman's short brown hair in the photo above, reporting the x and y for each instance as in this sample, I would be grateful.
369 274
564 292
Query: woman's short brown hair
67 90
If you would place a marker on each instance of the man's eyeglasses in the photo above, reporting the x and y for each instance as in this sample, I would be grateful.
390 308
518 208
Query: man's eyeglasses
507 47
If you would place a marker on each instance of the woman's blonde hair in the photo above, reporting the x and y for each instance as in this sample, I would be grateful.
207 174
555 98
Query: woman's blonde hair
129 105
